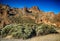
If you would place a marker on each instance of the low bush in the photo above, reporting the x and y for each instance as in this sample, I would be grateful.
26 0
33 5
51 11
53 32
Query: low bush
45 29
22 32
6 30
27 30
17 31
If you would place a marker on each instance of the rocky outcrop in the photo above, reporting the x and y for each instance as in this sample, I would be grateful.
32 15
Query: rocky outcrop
33 13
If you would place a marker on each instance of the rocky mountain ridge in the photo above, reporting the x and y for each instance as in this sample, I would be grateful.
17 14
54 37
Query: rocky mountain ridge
10 15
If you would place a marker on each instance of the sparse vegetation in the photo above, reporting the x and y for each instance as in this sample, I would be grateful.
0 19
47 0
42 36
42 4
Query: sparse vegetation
44 29
26 31
6 30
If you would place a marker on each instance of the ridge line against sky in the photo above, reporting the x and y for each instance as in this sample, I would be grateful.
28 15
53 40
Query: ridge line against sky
44 5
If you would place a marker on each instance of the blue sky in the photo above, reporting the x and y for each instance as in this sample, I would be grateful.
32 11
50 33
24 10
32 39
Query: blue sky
44 5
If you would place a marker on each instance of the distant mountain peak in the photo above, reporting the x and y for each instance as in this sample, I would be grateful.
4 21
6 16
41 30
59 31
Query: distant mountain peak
35 8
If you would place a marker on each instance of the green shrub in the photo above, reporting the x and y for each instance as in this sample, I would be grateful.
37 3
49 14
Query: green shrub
6 30
17 31
27 30
45 29
22 32
52 29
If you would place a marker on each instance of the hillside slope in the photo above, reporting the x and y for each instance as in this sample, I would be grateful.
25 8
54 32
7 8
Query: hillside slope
10 15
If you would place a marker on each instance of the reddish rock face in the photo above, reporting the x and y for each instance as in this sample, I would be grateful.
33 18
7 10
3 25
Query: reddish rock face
35 8
32 13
